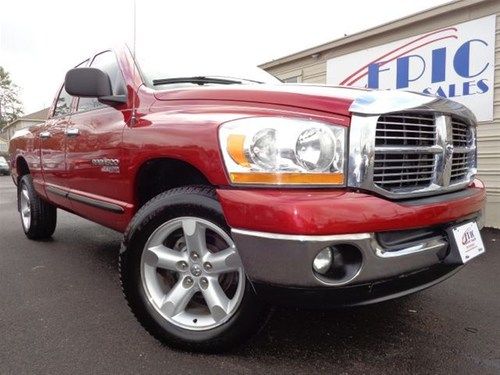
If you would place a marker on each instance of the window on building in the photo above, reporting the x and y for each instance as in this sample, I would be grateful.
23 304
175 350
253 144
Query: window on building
292 77
106 62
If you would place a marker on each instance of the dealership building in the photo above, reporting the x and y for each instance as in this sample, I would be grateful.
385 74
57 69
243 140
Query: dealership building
452 51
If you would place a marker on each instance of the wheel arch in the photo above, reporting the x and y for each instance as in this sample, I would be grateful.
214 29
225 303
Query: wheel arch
157 175
22 168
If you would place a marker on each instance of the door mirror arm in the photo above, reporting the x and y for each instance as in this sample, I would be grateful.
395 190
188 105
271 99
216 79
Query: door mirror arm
113 99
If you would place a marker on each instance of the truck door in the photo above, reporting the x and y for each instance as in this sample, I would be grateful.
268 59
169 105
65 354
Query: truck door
53 150
96 169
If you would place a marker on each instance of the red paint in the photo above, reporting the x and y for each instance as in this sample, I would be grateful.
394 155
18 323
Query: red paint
183 124
337 212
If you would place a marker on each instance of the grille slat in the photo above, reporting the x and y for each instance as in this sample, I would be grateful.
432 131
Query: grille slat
405 158
406 131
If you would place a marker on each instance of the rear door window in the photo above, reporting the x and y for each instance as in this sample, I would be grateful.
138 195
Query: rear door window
106 62
63 103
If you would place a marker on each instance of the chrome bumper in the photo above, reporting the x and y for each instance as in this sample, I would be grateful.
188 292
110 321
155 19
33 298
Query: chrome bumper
286 260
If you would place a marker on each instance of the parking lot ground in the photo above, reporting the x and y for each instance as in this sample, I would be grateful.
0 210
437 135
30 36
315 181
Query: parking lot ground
62 312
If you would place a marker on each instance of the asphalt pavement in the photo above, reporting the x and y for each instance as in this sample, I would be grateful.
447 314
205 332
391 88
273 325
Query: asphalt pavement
62 312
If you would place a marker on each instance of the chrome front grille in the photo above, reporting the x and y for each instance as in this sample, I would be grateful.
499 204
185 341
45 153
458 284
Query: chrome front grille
408 145
416 152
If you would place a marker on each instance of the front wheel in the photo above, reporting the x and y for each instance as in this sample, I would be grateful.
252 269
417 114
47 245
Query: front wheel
182 275
38 217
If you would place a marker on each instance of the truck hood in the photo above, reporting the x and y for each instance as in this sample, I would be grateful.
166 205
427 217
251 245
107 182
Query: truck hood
333 99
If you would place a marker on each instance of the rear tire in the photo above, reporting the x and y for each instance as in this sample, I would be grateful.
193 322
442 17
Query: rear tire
38 217
154 273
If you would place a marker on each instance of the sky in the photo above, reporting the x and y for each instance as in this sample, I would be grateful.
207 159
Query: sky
41 40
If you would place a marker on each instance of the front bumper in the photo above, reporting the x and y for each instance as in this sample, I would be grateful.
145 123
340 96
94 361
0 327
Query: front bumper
401 247
286 260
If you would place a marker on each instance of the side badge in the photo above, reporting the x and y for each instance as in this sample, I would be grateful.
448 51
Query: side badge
107 165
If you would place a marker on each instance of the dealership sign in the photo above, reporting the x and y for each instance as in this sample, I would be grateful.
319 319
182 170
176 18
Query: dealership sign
456 62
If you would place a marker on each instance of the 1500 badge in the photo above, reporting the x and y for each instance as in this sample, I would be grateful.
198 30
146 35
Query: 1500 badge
107 165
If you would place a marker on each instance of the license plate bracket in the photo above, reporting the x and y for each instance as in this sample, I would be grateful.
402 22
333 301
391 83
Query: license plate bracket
465 241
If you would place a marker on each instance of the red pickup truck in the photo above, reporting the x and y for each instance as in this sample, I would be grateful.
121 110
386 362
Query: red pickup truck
235 193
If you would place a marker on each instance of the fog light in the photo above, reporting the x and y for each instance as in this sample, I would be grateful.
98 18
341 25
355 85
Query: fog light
323 261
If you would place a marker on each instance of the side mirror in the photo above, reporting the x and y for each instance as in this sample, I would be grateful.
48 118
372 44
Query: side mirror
91 83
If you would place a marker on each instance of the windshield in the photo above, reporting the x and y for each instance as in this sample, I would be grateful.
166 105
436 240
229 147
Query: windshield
161 68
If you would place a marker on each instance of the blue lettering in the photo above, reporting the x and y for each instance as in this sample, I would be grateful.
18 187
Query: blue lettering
451 91
461 61
373 75
440 92
483 86
438 65
403 68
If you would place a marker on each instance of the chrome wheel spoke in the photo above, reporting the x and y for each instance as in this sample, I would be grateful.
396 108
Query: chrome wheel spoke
26 196
224 261
216 300
163 257
195 236
177 299
25 208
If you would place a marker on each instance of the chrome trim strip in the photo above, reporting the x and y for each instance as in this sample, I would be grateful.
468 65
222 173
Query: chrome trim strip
57 191
303 238
436 149
96 203
86 200
427 245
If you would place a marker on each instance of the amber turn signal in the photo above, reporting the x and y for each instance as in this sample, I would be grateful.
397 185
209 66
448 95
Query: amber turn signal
235 149
287 178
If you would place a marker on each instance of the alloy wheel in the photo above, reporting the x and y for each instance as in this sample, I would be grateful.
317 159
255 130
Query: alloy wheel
192 273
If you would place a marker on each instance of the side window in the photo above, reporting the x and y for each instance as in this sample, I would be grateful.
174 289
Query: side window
63 103
106 62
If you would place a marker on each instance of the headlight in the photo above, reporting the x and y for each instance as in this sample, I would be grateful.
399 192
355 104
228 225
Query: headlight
283 151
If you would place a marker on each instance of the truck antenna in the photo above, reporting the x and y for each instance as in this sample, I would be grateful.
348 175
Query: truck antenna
133 118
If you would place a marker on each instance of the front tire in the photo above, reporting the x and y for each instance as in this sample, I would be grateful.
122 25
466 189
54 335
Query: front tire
38 217
182 276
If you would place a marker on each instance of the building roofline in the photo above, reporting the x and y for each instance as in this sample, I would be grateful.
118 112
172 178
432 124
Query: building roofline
23 119
385 27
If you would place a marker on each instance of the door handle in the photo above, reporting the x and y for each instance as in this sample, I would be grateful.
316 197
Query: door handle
45 135
72 132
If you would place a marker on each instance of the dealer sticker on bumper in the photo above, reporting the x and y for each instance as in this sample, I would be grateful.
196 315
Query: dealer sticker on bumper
468 240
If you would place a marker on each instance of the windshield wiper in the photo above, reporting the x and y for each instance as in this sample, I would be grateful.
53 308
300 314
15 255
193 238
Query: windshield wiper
196 80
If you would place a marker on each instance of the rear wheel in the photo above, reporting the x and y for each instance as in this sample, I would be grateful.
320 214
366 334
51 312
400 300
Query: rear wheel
182 274
38 217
